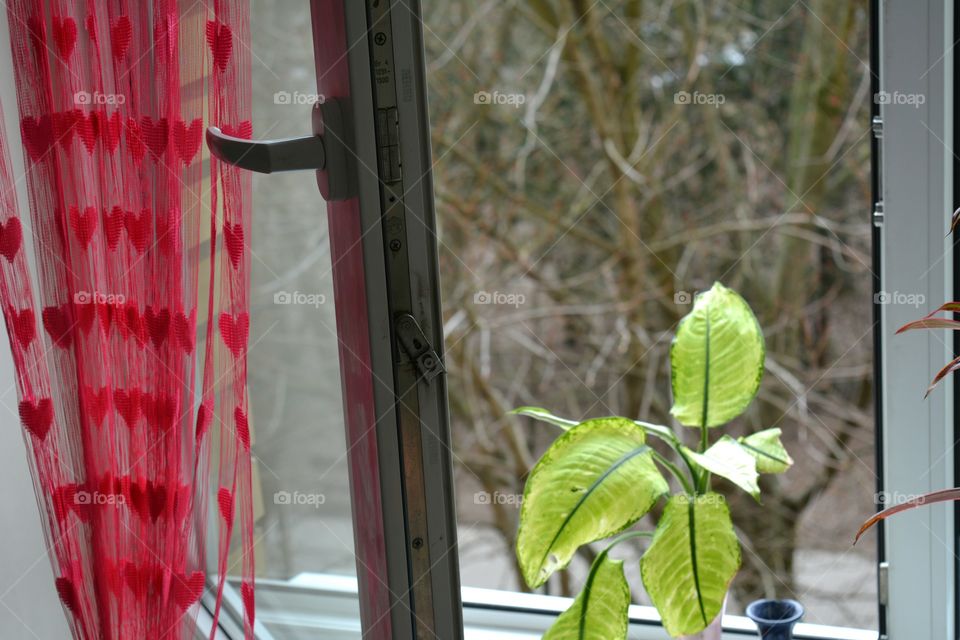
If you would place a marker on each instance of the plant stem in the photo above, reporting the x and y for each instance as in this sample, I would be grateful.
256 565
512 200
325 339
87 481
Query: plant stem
675 470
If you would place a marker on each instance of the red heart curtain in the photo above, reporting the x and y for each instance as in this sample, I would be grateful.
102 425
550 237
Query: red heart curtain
119 421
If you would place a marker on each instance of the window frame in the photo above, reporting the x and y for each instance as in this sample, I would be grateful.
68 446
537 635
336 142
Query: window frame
910 548
917 577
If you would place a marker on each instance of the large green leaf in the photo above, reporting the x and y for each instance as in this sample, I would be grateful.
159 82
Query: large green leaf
728 459
691 561
716 359
595 480
769 452
600 611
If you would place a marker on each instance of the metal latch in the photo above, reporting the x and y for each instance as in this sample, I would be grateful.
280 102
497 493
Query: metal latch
883 583
877 126
878 214
417 347
327 151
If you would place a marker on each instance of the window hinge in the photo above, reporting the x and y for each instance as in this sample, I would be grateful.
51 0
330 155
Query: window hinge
416 345
878 214
883 583
877 126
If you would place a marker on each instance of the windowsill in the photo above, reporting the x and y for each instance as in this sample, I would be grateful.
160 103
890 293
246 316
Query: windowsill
314 603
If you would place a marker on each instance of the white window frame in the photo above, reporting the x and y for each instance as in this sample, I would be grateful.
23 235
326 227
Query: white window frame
916 44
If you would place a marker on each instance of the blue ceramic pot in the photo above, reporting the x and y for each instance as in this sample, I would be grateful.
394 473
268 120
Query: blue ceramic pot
775 618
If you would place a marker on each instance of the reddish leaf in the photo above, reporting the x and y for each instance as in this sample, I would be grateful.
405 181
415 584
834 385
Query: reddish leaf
930 323
943 495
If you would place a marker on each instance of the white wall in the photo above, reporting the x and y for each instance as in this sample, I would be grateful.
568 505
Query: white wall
29 607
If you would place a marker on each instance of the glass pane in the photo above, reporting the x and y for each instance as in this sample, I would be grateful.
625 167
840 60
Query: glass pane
600 163
301 485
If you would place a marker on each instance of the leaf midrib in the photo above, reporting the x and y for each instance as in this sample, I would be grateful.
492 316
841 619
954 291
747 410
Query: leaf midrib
691 509
596 483
763 453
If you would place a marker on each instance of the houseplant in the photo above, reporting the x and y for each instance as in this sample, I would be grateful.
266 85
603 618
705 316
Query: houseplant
602 475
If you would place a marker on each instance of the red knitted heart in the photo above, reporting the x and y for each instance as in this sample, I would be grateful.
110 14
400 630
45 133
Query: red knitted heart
92 27
64 500
160 410
24 325
37 418
235 331
88 128
157 498
135 143
187 589
128 405
187 139
86 312
83 224
143 580
38 33
37 135
120 35
96 404
243 130
243 427
67 593
113 221
56 320
105 314
64 35
233 239
132 324
249 602
225 502
168 232
109 128
158 324
184 328
139 229
11 237
204 417
65 125
220 41
156 134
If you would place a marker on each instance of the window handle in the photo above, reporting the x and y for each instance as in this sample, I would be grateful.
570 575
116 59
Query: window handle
327 151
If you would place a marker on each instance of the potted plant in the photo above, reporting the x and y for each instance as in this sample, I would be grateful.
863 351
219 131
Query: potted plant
600 476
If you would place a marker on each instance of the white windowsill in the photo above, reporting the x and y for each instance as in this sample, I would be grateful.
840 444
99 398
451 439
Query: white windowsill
313 603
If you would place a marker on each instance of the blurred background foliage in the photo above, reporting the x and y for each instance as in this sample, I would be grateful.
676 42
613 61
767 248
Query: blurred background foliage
659 146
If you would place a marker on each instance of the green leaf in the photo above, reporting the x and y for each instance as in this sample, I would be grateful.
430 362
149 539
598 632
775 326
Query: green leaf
716 359
542 414
691 561
728 459
600 611
769 452
595 480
